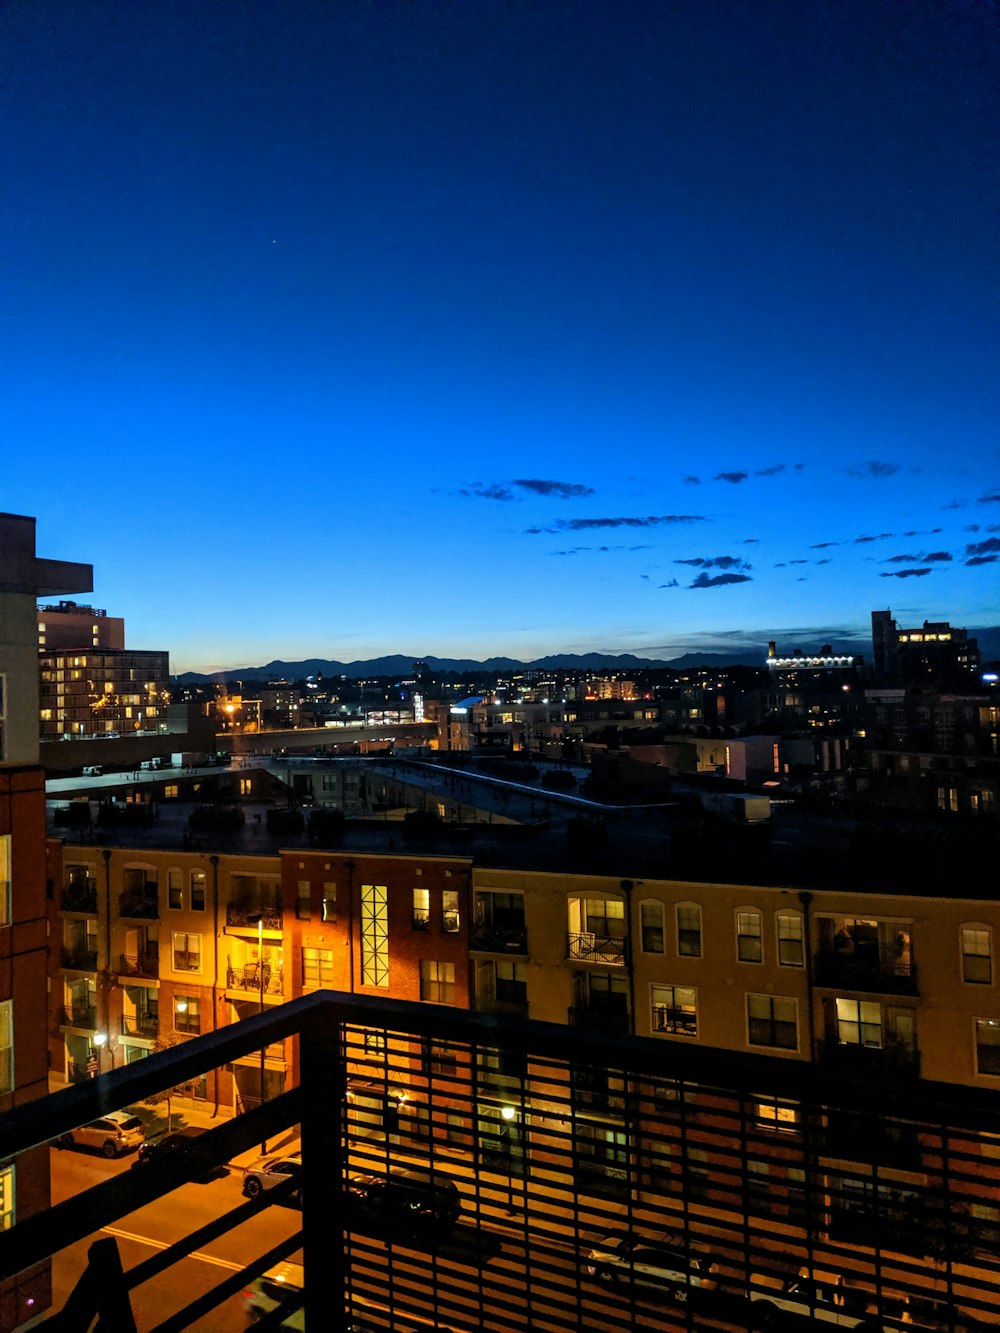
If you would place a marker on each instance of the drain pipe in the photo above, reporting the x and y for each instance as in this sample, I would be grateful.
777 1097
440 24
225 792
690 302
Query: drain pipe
214 861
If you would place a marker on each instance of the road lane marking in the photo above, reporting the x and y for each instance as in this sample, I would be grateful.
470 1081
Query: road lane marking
162 1245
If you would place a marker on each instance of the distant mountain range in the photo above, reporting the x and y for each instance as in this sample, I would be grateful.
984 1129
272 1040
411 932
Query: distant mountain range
400 664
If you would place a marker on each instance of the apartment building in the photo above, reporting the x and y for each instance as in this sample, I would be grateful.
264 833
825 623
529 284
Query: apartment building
24 1184
70 625
102 692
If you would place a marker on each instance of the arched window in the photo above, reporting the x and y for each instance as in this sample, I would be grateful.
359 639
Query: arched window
749 935
651 923
977 953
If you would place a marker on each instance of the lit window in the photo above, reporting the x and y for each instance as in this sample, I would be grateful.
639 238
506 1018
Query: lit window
450 918
317 969
187 1014
651 917
977 955
988 1046
773 1113
689 930
421 909
437 982
675 1010
187 952
6 1196
772 1021
790 942
859 1022
7 1046
374 935
329 900
749 941
5 840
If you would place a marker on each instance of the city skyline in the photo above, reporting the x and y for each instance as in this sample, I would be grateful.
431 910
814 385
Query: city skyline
465 332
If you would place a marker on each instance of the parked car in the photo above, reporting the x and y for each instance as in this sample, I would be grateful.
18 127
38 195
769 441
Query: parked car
649 1261
167 1145
404 1199
113 1134
822 1298
267 1172
273 1288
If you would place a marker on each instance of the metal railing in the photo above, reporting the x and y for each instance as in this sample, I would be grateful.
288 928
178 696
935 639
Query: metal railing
79 896
879 971
141 1025
247 914
80 960
593 1140
140 905
490 939
248 979
80 1016
585 946
145 964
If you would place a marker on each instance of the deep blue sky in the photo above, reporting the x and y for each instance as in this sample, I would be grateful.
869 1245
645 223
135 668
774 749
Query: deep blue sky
461 328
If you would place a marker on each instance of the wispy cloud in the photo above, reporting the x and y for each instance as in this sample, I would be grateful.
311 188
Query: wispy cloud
905 573
937 555
822 546
992 499
481 490
875 467
590 524
692 481
881 537
982 560
719 580
987 545
734 478
672 584
770 471
561 490
715 562
601 550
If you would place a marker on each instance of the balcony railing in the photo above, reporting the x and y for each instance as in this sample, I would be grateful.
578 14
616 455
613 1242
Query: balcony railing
146 964
79 896
585 946
875 1062
878 971
140 904
80 1016
490 939
595 1016
568 1168
248 979
80 960
247 914
141 1025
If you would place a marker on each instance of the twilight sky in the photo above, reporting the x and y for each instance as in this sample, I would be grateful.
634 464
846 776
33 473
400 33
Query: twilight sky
335 329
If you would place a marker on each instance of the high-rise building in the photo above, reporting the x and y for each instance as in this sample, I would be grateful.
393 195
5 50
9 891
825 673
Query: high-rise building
935 655
24 1184
69 625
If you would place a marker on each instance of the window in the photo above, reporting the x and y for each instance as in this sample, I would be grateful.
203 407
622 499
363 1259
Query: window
675 1010
317 969
421 909
437 982
651 921
197 890
859 1022
791 952
187 1013
303 900
5 839
171 791
6 1196
511 982
187 952
329 900
374 936
988 1046
374 1042
450 919
175 890
440 1058
977 955
749 941
606 917
773 1113
7 1046
689 930
772 1021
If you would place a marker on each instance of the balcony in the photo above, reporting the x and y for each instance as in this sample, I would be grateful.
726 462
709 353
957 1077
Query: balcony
80 1016
878 971
492 939
79 896
248 979
554 1168
141 1025
246 915
584 946
145 964
511 1008
142 904
872 1062
77 959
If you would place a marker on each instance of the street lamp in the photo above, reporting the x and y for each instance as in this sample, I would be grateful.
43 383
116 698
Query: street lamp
507 1114
259 918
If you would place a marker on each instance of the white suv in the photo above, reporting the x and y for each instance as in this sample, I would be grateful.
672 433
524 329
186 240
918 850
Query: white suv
267 1172
114 1133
